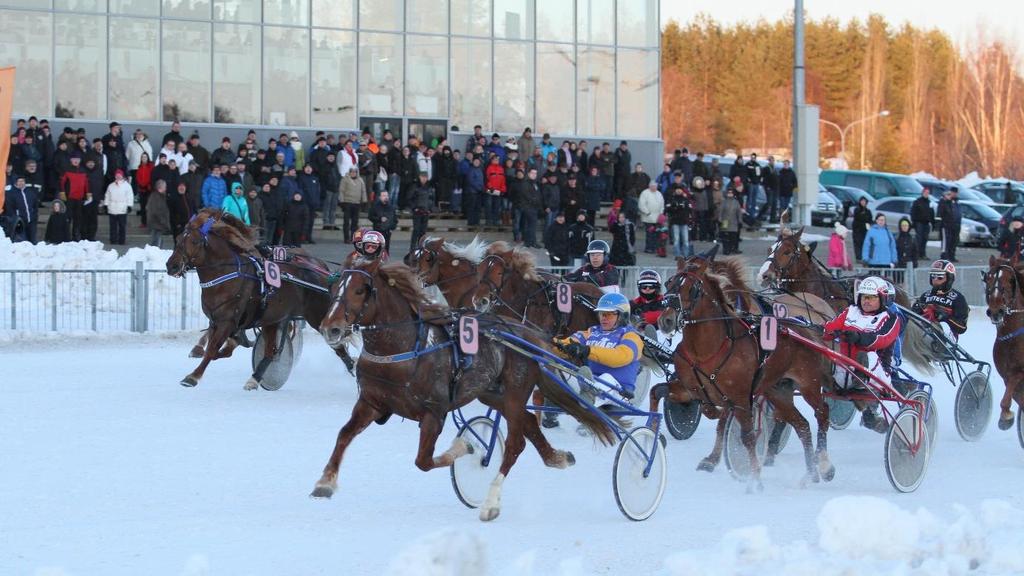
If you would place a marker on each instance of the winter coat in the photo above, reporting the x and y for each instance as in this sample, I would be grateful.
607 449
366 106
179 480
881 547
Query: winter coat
526 146
638 182
57 230
862 220
580 236
353 190
296 216
552 194
494 177
158 215
194 189
179 208
410 170
134 152
921 211
474 181
664 181
378 211
422 202
214 191
255 206
23 203
906 249
949 213
623 244
119 198
594 188
530 197
838 257
679 210
237 207
729 214
787 182
1011 243
879 247
310 185
171 178
556 242
652 205
222 157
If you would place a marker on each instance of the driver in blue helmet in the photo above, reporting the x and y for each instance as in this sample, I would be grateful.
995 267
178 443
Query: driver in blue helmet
597 269
612 349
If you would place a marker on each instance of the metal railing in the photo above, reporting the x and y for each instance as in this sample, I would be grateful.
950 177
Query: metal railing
141 300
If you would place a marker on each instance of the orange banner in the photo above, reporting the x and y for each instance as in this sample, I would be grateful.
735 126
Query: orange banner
6 104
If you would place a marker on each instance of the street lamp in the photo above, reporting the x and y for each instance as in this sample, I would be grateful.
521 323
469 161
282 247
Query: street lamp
842 131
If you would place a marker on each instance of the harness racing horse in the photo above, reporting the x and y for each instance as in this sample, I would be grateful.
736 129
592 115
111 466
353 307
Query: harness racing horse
1004 295
222 250
721 363
792 267
408 367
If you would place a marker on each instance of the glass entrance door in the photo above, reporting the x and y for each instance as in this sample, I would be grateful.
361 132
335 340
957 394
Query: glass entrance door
377 126
429 131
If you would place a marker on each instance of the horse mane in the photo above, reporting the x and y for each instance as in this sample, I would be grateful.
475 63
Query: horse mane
408 283
234 231
520 261
730 275
473 252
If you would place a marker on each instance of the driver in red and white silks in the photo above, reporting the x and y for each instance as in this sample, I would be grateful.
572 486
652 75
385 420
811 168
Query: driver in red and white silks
868 326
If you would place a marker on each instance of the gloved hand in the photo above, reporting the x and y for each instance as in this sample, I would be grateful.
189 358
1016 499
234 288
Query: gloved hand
577 350
851 337
941 315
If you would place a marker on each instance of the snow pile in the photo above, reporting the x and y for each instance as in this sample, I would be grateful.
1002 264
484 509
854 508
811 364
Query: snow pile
863 535
924 176
76 256
970 180
445 553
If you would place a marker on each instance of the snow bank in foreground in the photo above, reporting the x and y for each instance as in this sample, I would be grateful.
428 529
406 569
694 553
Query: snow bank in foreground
862 535
445 553
76 256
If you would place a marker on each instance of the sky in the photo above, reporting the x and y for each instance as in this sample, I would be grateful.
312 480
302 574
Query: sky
959 18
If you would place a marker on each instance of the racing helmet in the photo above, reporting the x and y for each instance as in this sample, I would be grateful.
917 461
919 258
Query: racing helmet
373 237
649 277
614 302
357 238
875 286
598 246
943 269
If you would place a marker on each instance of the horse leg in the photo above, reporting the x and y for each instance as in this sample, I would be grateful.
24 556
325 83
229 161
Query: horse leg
748 435
514 444
1006 407
782 401
197 350
711 460
228 349
430 429
269 353
814 397
538 400
362 415
215 337
551 457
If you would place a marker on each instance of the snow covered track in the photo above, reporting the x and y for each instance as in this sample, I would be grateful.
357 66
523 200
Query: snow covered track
110 467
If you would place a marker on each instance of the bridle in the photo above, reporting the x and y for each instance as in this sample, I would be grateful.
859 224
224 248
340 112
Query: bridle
992 291
337 299
782 272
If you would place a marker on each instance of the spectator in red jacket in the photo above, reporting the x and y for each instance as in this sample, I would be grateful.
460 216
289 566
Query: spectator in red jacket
74 187
494 190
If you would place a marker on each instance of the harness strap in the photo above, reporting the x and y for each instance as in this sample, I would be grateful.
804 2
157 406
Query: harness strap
1011 335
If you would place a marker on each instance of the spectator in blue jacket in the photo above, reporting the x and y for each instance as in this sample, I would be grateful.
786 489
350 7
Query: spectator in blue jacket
879 249
236 205
664 180
309 183
214 189
22 204
472 193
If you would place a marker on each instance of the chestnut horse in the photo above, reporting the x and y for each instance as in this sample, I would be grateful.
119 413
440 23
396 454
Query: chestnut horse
407 367
792 267
721 363
222 250
1004 295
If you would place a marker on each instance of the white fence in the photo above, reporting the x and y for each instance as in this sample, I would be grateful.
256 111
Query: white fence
142 300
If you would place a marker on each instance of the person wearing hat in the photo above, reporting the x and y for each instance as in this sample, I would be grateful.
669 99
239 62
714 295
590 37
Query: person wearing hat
922 217
906 249
113 149
224 154
838 255
496 148
235 203
118 200
353 194
214 189
422 204
159 214
139 145
21 204
651 207
597 270
730 215
298 153
623 163
347 158
649 305
526 144
200 154
862 219
1011 241
941 303
547 146
556 241
951 217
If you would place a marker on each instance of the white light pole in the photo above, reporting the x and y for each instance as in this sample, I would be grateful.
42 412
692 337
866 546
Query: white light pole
843 131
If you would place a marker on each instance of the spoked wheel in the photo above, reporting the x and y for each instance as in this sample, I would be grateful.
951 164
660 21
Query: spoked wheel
681 418
280 367
737 460
768 426
905 467
840 412
636 493
1020 426
972 410
472 474
931 415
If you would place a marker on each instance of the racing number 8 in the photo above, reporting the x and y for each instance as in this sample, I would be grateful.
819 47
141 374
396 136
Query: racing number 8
563 298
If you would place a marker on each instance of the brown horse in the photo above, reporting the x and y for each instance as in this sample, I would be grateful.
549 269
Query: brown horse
1004 295
720 362
222 250
791 265
407 368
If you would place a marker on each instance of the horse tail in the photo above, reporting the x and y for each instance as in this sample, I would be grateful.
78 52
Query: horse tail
915 348
571 404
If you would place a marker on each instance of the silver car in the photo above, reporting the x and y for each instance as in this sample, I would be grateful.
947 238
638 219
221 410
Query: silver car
972 232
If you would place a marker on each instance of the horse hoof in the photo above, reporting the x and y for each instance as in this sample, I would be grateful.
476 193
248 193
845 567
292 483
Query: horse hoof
488 514
189 381
251 384
570 459
322 492
705 466
1006 423
197 352
769 461
829 474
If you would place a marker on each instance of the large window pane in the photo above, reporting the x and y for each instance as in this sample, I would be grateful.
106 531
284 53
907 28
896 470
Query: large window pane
81 5
334 13
426 76
513 86
381 15
293 12
595 89
380 73
595 21
471 17
471 83
194 9
555 20
185 71
556 109
513 19
638 23
334 78
237 10
26 39
429 16
134 69
236 73
80 66
638 93
135 7
285 76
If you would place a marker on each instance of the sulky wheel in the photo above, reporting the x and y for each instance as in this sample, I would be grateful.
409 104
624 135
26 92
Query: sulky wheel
638 493
840 412
972 410
280 367
906 451
681 418
768 429
1020 426
472 474
931 415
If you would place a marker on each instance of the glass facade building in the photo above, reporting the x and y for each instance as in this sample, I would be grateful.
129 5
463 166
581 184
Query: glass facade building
587 68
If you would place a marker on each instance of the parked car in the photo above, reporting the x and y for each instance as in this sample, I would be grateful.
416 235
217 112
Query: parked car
1014 212
828 210
940 187
849 196
878 184
972 232
996 190
983 213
